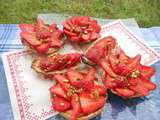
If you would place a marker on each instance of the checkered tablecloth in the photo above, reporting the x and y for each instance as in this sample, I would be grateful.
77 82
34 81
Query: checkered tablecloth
10 40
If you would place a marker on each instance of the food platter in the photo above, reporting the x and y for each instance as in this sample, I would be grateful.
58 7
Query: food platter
28 91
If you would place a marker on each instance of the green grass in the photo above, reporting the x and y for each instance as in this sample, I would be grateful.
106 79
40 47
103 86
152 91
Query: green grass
146 12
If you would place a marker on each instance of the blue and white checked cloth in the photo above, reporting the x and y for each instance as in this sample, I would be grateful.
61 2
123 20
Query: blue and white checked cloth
9 37
10 40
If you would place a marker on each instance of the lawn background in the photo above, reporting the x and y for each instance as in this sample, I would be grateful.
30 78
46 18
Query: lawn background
146 12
